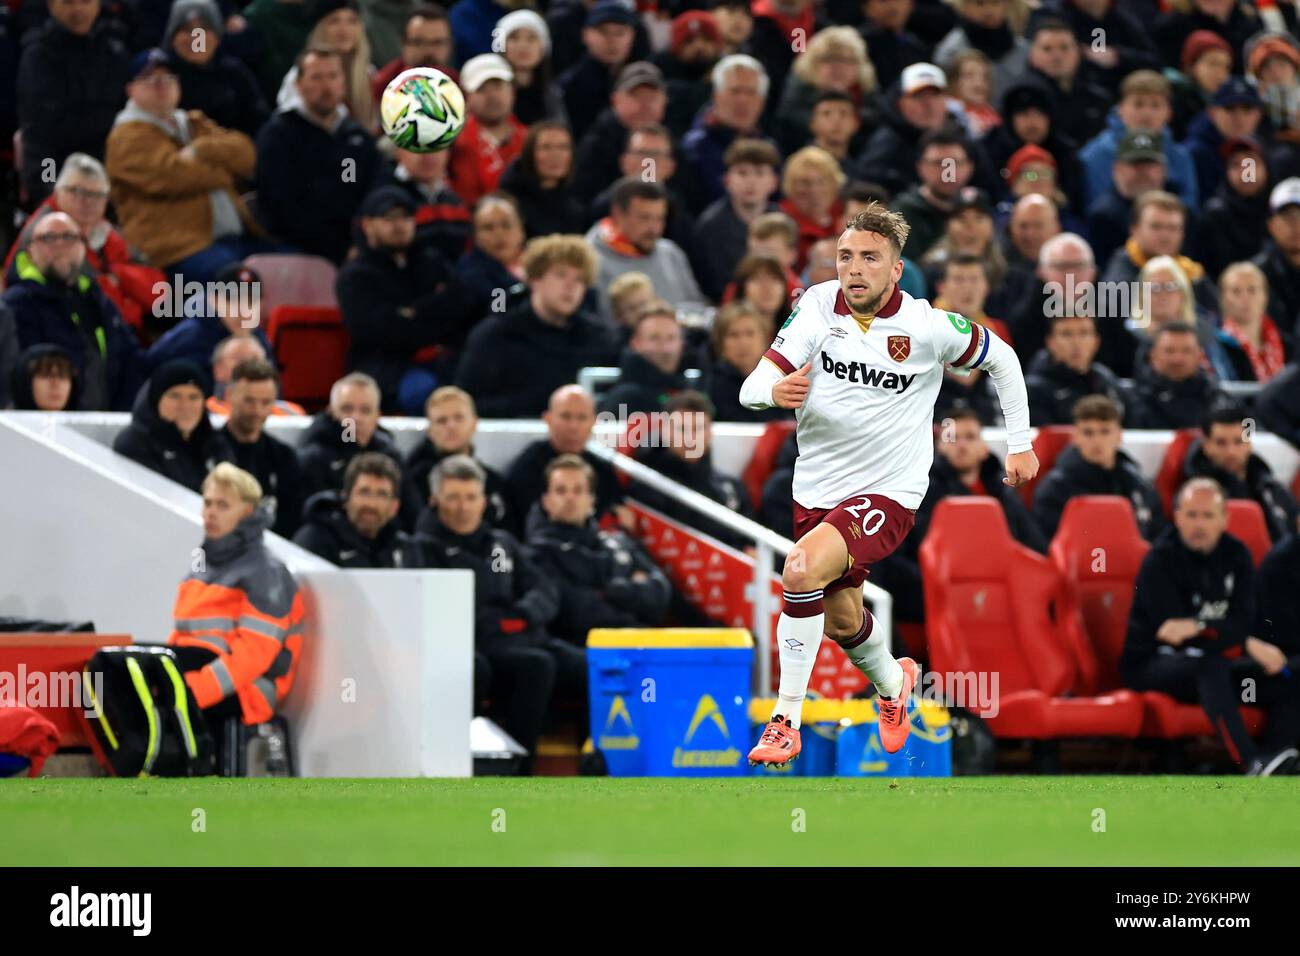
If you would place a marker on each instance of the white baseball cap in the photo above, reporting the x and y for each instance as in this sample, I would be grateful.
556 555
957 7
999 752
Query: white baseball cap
1286 193
921 76
486 66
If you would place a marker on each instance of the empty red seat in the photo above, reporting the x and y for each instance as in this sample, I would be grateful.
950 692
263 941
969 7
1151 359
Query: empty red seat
989 603
1246 523
1050 441
1170 476
763 461
311 349
291 279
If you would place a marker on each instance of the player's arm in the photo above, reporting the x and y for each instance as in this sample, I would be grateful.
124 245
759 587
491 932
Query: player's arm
781 377
976 347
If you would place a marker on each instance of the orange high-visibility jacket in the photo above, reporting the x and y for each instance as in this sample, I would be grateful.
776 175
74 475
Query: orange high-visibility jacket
244 605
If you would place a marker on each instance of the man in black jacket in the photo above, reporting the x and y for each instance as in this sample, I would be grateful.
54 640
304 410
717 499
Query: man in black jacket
1232 220
513 362
357 527
349 426
314 163
397 298
453 420
1192 616
1280 257
1279 610
1171 389
212 81
913 107
651 366
170 432
1065 371
1278 405
1095 465
607 35
1223 453
1079 104
517 663
637 101
243 440
605 578
71 83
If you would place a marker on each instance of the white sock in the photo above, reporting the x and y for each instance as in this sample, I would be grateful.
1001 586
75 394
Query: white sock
798 638
868 653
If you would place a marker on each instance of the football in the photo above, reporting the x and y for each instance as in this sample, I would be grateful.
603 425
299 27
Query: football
422 110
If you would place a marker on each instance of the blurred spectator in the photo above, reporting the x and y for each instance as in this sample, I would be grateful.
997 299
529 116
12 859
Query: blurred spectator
821 263
492 136
1066 371
1034 220
965 466
834 124
442 220
1144 105
993 29
1164 294
282 26
357 527
1279 611
302 149
1233 222
629 294
682 454
1171 389
567 19
695 45
472 23
71 67
944 168
1280 257
230 306
1251 340
570 417
1223 452
1031 139
426 41
1204 64
1066 275
1278 405
721 235
1233 23
1094 464
1193 611
453 420
40 379
740 88
739 337
648 155
1159 227
525 42
962 286
968 231
835 62
493 266
9 54
169 431
229 353
385 24
781 29
890 46
513 362
631 239
176 178
348 427
651 367
517 663
82 192
735 24
915 107
212 81
607 35
1233 114
1056 57
251 397
398 299
340 29
761 282
1272 63
541 180
636 105
54 302
1139 168
1128 46
811 181
605 578
970 80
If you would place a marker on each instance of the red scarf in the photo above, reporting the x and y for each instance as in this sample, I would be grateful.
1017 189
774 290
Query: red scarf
805 20
616 241
1268 359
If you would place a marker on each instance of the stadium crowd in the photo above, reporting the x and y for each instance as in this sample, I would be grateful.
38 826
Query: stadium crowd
1113 188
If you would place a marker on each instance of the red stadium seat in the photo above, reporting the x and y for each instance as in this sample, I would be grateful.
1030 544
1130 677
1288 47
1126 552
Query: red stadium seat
1295 485
763 461
293 280
1170 476
988 604
1048 443
311 348
1246 523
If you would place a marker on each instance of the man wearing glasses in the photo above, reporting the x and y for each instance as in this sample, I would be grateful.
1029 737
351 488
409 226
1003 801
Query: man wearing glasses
357 528
55 303
426 41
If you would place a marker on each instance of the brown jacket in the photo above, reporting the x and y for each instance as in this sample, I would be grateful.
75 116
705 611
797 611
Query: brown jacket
161 196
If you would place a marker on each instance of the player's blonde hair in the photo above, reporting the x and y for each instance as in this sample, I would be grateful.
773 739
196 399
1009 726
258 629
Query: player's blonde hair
237 480
876 217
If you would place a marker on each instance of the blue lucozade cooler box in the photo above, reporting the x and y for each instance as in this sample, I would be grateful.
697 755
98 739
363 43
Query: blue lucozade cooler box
671 702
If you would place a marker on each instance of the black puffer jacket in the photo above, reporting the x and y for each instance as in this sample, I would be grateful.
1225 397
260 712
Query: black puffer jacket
275 466
420 463
326 531
697 474
1159 402
1071 475
324 455
641 387
1259 485
596 572
158 445
1054 388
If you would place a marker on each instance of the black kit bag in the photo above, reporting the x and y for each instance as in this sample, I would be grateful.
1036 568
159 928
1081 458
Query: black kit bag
144 720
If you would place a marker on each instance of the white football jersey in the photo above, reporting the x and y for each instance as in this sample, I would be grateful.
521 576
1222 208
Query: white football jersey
866 425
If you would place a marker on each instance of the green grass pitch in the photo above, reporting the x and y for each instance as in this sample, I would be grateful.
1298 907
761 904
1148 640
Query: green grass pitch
647 822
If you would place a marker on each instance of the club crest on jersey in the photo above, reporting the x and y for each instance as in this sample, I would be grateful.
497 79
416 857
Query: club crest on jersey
862 374
900 347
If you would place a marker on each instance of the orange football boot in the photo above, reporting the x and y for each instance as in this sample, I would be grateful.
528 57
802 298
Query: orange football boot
894 724
779 743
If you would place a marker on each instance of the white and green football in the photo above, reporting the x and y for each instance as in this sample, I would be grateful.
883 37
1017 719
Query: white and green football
422 110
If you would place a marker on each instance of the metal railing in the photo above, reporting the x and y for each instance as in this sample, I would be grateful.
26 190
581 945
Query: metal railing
767 546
